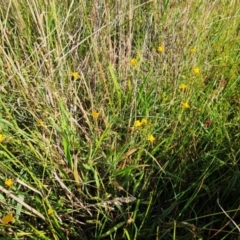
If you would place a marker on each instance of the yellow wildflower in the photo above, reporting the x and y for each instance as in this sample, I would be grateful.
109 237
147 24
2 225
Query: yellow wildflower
9 182
50 211
151 138
75 75
160 48
137 123
165 99
40 122
2 138
193 50
95 114
133 62
8 218
185 105
144 121
196 70
182 86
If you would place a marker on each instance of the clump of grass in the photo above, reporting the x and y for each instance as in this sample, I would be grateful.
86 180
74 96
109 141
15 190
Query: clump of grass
119 120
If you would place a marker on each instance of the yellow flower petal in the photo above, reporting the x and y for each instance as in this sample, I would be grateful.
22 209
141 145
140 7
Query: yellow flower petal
193 50
95 114
182 86
9 182
196 70
160 48
50 211
8 218
75 75
2 138
137 123
144 121
151 138
133 62
40 122
185 105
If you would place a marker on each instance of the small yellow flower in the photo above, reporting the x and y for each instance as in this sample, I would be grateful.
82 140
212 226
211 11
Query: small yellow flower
50 211
75 75
9 182
95 114
160 48
151 138
133 62
196 70
2 138
182 86
40 122
185 105
165 99
8 218
193 50
137 123
144 121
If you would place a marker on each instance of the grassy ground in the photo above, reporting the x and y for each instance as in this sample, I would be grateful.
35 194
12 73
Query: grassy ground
119 119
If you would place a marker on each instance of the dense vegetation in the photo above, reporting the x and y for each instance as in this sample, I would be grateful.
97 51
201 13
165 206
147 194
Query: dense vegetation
119 119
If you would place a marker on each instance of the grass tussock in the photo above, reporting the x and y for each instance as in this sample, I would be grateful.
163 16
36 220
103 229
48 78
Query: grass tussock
119 120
